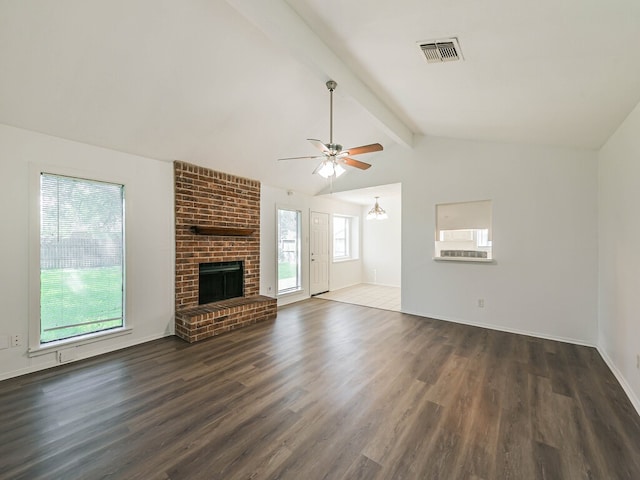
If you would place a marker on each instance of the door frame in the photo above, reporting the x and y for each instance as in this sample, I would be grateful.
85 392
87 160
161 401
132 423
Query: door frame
328 238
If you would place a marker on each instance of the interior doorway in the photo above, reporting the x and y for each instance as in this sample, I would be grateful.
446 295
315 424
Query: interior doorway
319 253
380 249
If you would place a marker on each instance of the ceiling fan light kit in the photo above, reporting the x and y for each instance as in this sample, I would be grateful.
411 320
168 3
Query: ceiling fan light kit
335 156
329 169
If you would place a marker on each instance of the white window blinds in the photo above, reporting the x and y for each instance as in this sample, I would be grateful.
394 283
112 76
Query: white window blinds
463 216
81 257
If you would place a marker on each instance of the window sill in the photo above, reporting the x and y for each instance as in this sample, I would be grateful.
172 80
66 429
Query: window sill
345 259
78 341
464 259
291 291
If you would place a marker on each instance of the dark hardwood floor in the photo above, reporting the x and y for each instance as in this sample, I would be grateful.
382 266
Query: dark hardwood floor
326 391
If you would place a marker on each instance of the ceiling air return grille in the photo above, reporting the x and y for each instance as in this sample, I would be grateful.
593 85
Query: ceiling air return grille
439 51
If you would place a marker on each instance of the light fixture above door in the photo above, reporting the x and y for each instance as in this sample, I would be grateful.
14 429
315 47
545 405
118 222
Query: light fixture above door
377 212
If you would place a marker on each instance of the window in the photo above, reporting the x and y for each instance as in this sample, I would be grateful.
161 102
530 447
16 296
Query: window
345 235
81 257
341 237
289 251
463 231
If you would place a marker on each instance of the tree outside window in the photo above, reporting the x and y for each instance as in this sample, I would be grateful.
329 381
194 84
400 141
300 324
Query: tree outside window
81 257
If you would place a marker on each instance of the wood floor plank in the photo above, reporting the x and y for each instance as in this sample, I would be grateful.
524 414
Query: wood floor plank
547 461
387 442
479 427
362 469
328 390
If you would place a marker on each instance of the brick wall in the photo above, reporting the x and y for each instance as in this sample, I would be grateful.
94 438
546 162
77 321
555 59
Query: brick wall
204 197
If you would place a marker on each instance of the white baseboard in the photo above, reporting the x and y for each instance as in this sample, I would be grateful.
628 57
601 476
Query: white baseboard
518 331
82 354
621 380
381 284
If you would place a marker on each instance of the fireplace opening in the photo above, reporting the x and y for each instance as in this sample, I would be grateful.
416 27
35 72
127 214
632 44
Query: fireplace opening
219 281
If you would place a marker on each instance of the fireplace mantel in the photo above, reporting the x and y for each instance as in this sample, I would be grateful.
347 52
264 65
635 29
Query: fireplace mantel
222 231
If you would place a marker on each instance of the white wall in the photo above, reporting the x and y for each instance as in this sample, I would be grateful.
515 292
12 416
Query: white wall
544 280
149 239
382 244
545 229
619 253
341 274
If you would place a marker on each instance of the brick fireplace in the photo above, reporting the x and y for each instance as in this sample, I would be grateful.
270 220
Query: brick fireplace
217 222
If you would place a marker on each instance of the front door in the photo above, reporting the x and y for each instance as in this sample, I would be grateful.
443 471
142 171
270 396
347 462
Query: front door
319 246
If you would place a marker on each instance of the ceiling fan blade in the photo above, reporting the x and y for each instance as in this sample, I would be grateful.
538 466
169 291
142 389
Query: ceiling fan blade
319 145
301 158
374 147
354 163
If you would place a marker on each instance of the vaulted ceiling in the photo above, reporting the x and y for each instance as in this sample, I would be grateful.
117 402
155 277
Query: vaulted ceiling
236 84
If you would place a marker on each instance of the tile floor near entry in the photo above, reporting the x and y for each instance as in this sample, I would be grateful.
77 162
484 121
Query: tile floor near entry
376 296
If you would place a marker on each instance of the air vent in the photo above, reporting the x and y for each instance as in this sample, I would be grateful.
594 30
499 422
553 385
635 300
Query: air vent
438 51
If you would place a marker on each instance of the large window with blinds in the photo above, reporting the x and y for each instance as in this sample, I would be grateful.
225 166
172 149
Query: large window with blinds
463 231
81 257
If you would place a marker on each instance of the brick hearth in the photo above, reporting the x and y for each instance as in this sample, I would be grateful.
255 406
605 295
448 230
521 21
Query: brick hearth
206 198
197 323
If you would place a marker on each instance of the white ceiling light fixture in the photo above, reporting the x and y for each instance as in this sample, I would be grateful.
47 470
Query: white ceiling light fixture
377 212
329 168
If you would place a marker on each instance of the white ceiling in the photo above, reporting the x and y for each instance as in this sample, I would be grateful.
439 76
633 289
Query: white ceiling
222 84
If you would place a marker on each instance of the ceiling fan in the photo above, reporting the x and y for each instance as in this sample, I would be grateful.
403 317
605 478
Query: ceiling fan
334 155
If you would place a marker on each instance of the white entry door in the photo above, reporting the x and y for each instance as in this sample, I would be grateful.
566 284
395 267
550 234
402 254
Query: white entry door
319 247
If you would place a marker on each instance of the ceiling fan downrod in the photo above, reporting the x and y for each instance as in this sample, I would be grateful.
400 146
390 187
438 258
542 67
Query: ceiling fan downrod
331 85
335 157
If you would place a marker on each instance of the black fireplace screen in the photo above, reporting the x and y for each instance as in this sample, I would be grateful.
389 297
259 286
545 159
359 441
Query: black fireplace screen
219 281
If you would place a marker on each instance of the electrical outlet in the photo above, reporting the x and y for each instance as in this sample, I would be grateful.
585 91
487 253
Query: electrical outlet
16 340
481 303
4 342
